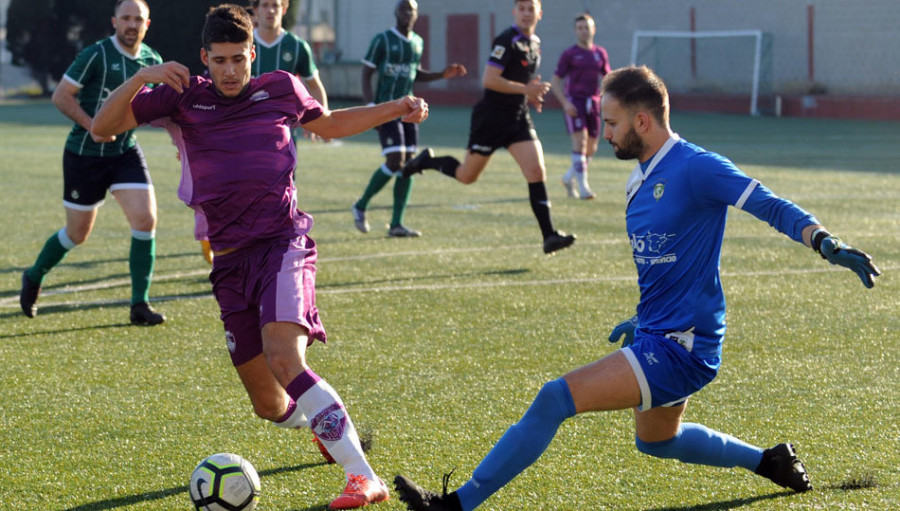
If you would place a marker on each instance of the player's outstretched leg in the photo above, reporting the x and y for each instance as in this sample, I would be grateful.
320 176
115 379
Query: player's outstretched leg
781 465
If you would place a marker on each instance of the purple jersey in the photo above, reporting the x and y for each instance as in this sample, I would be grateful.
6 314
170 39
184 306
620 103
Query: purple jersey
237 158
583 69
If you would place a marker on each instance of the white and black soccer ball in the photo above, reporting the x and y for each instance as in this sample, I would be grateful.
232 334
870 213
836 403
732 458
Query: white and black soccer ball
224 482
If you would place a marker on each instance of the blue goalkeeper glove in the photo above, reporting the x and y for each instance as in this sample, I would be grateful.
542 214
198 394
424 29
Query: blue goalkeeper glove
838 252
625 328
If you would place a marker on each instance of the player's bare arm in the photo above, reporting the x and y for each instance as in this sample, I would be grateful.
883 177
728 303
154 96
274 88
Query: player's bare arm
350 121
65 97
115 116
556 86
453 70
533 90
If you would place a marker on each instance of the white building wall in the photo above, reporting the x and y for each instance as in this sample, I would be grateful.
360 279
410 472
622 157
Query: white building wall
854 47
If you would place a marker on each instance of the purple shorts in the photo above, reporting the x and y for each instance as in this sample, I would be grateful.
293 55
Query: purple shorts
588 117
271 281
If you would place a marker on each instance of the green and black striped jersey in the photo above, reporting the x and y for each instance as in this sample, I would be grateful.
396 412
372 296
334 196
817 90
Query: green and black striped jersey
397 60
288 53
97 71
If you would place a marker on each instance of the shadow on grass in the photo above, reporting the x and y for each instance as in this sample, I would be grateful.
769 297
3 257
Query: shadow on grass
726 504
51 309
168 492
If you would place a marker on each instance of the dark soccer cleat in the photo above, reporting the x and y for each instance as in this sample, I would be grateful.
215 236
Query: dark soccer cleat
418 499
144 315
781 465
558 241
359 219
415 165
400 231
28 295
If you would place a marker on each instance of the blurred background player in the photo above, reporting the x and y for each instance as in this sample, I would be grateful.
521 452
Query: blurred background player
676 207
502 119
276 48
93 164
240 174
582 66
396 55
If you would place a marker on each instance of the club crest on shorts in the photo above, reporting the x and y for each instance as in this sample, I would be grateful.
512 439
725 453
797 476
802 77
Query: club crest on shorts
230 342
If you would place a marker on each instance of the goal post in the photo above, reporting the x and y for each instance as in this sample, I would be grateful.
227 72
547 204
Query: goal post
717 61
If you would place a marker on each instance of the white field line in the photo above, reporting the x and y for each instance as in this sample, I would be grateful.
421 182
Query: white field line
13 301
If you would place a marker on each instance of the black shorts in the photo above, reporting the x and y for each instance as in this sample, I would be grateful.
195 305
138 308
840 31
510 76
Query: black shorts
492 128
398 137
87 178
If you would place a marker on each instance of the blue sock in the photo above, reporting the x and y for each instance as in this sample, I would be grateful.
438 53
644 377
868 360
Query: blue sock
521 445
695 443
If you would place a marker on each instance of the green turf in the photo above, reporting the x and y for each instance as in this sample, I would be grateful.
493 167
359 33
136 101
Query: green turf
437 344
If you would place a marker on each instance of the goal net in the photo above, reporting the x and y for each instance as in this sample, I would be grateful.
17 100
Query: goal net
734 63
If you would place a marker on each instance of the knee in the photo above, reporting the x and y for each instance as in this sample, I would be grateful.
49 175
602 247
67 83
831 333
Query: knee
268 407
467 180
145 223
78 236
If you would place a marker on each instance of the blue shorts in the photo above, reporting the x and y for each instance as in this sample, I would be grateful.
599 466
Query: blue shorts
398 137
587 118
268 282
666 371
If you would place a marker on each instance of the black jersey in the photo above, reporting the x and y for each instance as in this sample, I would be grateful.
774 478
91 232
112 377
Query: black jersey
519 56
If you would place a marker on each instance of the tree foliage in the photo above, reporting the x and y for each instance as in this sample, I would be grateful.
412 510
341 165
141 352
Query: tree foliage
46 35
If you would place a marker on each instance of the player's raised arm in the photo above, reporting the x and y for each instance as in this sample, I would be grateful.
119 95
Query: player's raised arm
115 116
350 121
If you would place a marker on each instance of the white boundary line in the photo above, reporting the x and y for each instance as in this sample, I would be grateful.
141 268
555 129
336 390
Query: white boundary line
12 302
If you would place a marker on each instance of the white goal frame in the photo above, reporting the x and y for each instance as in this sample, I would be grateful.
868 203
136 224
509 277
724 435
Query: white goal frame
757 53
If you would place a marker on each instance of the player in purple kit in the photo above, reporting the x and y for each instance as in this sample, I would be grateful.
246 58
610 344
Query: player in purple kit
582 67
234 136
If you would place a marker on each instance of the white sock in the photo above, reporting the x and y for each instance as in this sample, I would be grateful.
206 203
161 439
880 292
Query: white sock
331 423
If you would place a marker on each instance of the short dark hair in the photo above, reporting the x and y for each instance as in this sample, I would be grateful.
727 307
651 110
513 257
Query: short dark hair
638 87
227 23
584 17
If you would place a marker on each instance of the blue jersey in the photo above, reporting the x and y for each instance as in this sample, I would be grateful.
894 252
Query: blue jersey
677 207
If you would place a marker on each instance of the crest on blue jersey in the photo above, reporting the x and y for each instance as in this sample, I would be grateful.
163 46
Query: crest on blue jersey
658 190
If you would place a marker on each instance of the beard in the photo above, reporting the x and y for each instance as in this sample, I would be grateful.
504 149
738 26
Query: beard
631 147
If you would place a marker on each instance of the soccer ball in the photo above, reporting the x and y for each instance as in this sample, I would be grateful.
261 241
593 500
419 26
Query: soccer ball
224 482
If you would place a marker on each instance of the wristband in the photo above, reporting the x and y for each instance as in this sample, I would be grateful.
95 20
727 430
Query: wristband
816 239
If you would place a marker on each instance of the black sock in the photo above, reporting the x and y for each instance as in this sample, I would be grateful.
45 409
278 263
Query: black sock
540 205
444 164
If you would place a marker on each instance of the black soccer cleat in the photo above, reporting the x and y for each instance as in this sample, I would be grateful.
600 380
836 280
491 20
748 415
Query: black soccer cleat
28 295
144 315
781 465
558 241
415 165
418 499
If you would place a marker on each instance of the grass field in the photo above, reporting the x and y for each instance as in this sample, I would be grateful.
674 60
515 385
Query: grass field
438 344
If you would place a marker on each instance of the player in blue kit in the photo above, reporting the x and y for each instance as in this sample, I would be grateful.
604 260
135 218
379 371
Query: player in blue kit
677 200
